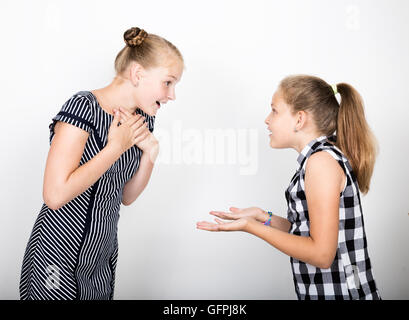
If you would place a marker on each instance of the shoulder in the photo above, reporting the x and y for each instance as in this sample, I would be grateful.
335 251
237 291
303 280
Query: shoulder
76 111
79 99
79 105
323 161
323 170
321 157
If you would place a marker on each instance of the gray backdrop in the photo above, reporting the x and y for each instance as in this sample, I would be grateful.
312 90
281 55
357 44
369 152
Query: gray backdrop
214 141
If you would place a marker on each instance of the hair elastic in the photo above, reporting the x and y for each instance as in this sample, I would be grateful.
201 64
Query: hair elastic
334 88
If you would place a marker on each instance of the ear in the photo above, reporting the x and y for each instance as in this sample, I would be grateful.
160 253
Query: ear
301 117
135 73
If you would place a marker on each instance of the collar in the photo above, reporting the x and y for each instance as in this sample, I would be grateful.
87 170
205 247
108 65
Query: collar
311 146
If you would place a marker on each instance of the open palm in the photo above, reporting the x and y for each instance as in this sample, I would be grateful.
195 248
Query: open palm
237 213
235 225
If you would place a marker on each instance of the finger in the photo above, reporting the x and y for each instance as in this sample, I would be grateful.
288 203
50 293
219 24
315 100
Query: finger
125 111
218 212
204 225
142 131
227 215
139 123
138 119
234 209
141 138
206 228
123 118
215 227
219 221
122 112
223 215
129 115
116 119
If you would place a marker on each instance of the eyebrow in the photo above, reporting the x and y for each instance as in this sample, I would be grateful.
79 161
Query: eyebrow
169 75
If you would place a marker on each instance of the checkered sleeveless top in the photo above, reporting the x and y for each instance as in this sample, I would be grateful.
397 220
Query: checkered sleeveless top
350 275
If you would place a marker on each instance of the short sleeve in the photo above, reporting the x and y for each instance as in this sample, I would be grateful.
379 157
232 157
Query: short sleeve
75 111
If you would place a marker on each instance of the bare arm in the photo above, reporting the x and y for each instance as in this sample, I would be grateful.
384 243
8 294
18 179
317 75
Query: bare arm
322 195
134 187
301 248
323 182
64 179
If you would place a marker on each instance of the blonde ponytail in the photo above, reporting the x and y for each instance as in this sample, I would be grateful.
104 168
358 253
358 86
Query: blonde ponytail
354 137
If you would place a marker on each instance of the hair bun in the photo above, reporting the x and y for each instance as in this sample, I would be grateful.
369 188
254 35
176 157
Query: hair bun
134 37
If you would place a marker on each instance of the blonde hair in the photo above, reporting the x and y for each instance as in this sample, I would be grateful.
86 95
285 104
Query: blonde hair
354 136
145 49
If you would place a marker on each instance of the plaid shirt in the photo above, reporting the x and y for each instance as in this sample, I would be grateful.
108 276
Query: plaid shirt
350 275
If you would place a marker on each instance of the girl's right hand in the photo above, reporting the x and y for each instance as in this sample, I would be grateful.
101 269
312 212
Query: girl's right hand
237 213
129 133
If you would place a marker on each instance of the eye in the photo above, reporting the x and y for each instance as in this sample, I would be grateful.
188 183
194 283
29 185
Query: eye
168 83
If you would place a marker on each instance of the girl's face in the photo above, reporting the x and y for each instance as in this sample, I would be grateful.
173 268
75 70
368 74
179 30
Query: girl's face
156 86
281 123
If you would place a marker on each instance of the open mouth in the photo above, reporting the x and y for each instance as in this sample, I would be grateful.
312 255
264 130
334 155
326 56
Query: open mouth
158 104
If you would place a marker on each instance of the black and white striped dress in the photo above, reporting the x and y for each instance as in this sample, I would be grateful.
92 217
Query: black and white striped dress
350 275
72 252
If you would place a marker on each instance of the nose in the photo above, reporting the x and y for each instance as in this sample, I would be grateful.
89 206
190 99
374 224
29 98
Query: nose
267 121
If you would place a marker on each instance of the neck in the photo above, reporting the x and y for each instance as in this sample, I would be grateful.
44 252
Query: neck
115 95
304 140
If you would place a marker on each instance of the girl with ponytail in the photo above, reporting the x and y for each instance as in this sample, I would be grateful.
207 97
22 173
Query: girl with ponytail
102 153
324 231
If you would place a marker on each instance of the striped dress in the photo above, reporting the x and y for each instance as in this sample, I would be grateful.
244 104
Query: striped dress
72 252
350 276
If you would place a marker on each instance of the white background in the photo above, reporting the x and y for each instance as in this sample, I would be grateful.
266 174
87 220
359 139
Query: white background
236 52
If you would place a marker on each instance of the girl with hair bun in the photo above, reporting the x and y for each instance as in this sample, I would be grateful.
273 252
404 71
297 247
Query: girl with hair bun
324 230
102 152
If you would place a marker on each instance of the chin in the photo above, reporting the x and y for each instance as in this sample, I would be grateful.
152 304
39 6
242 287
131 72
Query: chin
150 111
275 145
272 144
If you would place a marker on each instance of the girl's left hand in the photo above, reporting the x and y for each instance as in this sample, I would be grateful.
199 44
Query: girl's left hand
236 225
150 144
